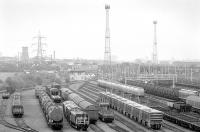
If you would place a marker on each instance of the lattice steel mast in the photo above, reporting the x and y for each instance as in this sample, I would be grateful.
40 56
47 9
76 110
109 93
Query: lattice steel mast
40 46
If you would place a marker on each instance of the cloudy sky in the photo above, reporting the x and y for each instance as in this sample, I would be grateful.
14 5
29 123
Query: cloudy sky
76 28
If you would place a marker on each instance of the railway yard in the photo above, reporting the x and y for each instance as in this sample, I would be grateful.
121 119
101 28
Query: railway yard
40 111
59 82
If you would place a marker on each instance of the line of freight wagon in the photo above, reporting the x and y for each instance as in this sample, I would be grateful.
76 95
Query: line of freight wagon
189 97
170 115
74 115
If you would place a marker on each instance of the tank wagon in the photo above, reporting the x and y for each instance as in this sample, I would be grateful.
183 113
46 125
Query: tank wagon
17 107
149 117
38 89
54 94
136 91
75 116
53 113
86 106
5 95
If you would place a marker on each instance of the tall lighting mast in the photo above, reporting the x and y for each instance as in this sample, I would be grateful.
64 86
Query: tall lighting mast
155 54
107 52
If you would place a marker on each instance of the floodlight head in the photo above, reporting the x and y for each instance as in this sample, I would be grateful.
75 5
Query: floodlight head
107 6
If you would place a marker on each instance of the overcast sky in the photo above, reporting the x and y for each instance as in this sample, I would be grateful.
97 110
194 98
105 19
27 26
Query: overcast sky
76 28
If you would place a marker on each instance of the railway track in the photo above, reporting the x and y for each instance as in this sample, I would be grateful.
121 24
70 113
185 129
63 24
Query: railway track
171 127
22 124
118 116
95 128
167 126
117 128
3 107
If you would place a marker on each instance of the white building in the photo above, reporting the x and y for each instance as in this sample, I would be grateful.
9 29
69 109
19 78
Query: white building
77 75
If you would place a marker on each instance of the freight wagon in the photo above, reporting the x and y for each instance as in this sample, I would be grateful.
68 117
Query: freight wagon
136 91
38 89
54 94
104 113
169 93
65 92
17 107
194 101
89 108
75 116
56 85
53 113
187 121
147 116
5 95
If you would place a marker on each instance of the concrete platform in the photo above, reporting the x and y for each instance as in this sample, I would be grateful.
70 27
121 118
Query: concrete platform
33 114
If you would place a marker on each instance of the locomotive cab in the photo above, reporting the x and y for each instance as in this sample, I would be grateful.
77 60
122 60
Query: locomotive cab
81 120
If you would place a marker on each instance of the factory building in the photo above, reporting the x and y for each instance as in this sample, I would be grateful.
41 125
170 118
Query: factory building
24 55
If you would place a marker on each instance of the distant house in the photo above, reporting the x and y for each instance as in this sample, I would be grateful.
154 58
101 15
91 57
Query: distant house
77 75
